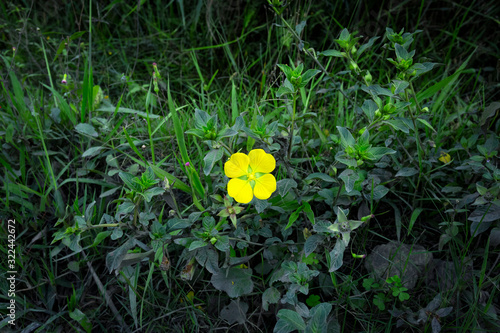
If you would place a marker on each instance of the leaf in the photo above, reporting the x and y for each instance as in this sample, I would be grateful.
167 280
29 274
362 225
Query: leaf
114 258
312 243
210 159
365 46
495 237
299 27
436 326
235 312
292 318
100 237
82 319
208 259
406 172
308 75
270 296
413 218
92 151
349 177
346 138
400 86
397 124
323 176
235 281
401 52
369 107
332 53
482 218
378 193
293 217
309 212
284 185
196 245
86 129
129 180
318 321
149 194
489 111
426 123
337 256
378 152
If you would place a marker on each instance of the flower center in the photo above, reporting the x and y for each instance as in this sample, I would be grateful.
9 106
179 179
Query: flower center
251 176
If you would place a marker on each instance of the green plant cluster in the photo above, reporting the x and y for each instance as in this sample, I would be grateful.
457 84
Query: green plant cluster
138 194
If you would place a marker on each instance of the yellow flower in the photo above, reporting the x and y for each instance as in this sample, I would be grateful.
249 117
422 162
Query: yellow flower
250 175
445 157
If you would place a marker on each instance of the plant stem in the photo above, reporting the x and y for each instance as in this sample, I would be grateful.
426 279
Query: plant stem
292 127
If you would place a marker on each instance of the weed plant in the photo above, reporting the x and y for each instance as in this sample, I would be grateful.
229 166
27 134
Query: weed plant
204 166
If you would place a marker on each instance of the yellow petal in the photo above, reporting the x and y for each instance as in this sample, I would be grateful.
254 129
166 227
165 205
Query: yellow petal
240 190
264 186
237 165
260 161
445 157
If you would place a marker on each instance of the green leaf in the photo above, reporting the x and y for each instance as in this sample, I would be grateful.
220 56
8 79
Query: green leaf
346 138
226 133
332 53
336 256
284 186
378 193
292 318
100 237
129 180
318 321
92 151
149 194
369 107
234 281
401 52
293 217
114 258
318 175
287 70
210 159
308 75
196 245
349 177
86 129
426 123
413 218
309 212
400 86
270 296
378 152
312 243
407 172
82 319
365 46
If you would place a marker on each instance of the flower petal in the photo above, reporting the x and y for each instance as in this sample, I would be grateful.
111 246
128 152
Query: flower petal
260 161
264 186
240 190
237 165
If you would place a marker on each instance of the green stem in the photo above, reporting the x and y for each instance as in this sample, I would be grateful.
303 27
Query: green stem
292 127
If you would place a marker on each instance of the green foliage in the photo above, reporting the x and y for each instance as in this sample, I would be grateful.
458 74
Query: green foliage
370 137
